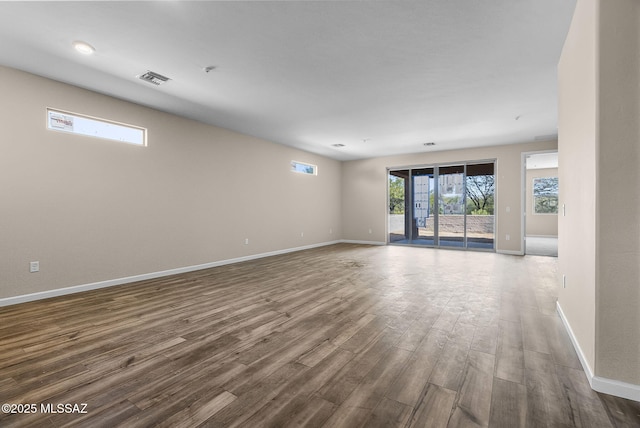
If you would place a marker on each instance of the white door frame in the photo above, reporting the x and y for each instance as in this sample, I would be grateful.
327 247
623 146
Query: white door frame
523 194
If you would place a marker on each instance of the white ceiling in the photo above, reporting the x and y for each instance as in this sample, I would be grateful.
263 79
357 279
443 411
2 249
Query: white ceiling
379 77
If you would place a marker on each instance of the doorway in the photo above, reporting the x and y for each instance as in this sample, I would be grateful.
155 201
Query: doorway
540 217
448 205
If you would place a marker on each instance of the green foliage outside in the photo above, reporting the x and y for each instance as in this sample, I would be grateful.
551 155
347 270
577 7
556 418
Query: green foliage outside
545 195
480 194
479 212
396 195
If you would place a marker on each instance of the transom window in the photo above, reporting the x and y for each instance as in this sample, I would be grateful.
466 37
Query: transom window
74 123
304 168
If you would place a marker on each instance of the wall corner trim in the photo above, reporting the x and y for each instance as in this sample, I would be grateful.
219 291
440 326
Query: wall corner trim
8 301
599 384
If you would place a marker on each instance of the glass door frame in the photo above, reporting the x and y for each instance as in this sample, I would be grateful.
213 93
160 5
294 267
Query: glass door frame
410 232
432 183
442 208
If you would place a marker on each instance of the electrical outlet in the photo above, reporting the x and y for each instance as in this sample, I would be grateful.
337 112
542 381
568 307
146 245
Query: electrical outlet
330 231
34 267
246 241
507 237
370 231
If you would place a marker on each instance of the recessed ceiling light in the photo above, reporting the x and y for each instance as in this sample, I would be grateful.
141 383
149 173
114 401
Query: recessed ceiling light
430 143
338 145
83 47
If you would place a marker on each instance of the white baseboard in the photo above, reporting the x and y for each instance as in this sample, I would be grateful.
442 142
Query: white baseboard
617 388
583 359
600 384
119 281
510 252
350 241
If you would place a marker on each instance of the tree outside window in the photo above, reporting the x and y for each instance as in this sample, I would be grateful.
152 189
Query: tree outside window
480 191
396 195
545 195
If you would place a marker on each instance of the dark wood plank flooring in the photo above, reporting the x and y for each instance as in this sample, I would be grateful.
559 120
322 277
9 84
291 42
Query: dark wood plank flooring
338 336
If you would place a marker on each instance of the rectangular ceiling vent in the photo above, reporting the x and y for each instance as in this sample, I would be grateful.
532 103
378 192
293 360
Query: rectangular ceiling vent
155 78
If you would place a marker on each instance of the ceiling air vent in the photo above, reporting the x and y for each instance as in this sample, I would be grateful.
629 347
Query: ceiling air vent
155 78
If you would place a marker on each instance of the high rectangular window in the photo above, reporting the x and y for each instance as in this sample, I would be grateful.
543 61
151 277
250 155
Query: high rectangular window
304 168
73 123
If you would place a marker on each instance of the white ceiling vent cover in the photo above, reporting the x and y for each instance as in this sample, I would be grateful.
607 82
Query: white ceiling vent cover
155 78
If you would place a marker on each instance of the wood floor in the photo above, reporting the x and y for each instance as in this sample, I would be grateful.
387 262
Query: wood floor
338 336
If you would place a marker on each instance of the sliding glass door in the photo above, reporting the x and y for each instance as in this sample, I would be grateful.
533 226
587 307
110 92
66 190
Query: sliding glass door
423 203
480 189
443 205
398 209
451 206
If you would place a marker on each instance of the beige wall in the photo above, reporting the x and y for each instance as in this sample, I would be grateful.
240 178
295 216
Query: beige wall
599 152
91 210
577 153
539 224
364 197
618 209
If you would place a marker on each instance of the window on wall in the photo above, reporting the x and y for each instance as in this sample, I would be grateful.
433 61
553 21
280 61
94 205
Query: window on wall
73 123
545 195
304 168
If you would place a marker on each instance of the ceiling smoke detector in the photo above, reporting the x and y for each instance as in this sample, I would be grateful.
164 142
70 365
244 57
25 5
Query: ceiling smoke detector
155 78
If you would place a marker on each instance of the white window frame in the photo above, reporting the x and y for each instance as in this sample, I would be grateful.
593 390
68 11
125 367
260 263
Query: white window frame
89 126
304 168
